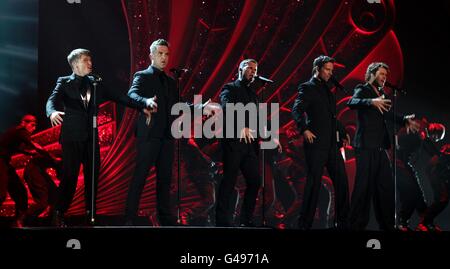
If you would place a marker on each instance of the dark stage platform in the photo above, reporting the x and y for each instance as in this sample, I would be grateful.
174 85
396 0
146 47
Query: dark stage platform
173 245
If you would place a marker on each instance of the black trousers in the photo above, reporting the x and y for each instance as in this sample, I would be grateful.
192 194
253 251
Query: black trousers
156 152
10 182
410 192
41 187
75 154
373 181
316 161
238 156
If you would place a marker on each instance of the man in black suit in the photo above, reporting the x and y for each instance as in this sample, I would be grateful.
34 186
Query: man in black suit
74 94
240 153
314 111
373 169
155 143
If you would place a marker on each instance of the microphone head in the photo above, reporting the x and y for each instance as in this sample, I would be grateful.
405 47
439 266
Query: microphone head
179 70
264 79
95 77
395 87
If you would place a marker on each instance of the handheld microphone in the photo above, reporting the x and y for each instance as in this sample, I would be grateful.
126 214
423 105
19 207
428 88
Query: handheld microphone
264 79
179 70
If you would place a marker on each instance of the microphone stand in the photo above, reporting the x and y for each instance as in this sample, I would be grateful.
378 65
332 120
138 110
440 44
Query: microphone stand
178 75
394 151
263 172
338 136
94 140
395 91
394 155
263 184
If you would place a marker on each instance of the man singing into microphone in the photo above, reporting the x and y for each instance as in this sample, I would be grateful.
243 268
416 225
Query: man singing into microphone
373 169
314 111
74 96
240 152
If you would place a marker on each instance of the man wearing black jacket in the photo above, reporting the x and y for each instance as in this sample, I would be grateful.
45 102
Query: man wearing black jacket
74 94
155 143
373 169
321 131
240 153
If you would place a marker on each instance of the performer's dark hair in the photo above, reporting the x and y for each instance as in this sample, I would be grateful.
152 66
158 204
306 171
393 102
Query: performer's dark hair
373 68
76 54
320 61
158 42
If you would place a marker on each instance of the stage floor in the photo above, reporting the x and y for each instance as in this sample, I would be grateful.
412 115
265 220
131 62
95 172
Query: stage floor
172 244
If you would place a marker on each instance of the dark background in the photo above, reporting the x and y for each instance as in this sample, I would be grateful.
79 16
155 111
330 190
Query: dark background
422 30
64 27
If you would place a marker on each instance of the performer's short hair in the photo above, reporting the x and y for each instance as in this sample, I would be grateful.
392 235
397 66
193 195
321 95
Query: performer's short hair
158 42
76 54
320 61
373 68
245 63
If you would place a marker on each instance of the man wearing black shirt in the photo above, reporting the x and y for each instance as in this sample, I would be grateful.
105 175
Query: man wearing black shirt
321 131
75 94
373 168
155 143
240 153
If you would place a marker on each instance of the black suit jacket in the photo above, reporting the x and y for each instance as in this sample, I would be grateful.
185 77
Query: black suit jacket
236 92
371 132
314 109
146 84
77 125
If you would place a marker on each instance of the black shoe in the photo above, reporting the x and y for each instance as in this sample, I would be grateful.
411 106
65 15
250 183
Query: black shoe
341 226
168 221
58 220
302 226
423 227
224 224
18 223
404 228
249 224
